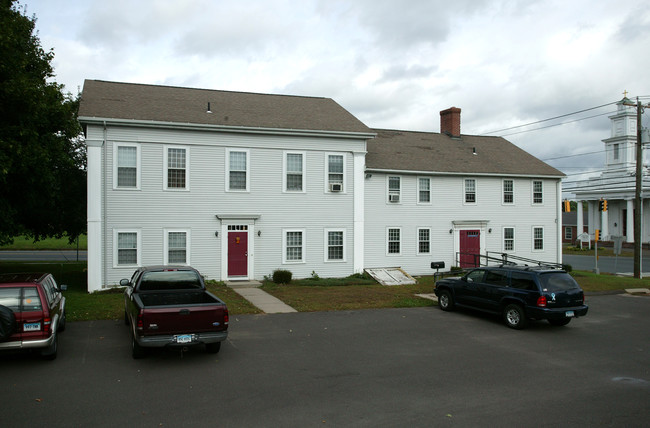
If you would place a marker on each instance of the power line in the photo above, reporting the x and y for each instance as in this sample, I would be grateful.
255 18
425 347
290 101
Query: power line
557 124
552 118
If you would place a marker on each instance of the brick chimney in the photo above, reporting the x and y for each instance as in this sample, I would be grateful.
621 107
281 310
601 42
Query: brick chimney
450 122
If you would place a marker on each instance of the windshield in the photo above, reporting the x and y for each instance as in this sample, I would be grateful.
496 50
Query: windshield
170 280
557 281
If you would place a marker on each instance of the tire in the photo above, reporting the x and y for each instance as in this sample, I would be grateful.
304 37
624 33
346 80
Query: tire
515 317
61 326
560 322
50 352
213 348
137 351
445 301
7 323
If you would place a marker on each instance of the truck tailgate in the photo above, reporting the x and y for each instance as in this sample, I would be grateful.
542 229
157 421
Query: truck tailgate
183 319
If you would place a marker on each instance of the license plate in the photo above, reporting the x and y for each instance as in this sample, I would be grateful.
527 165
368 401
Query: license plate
570 314
184 338
32 326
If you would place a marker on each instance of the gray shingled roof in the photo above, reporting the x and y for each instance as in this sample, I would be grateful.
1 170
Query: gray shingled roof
428 151
114 100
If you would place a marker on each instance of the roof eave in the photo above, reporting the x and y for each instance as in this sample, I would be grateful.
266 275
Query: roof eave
459 173
91 120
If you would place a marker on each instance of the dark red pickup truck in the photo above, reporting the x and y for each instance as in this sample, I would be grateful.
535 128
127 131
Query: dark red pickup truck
169 306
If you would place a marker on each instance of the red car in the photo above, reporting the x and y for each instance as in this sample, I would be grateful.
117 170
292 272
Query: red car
32 312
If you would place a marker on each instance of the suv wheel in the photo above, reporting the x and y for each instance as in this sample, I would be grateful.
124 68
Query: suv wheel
445 301
560 322
61 326
514 316
50 352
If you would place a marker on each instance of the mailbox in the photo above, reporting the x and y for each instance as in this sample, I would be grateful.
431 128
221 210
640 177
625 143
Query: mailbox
437 265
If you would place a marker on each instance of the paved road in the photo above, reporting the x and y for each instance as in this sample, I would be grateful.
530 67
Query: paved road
40 256
620 265
385 368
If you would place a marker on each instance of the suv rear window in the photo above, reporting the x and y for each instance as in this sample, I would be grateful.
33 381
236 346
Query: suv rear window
557 281
31 300
11 298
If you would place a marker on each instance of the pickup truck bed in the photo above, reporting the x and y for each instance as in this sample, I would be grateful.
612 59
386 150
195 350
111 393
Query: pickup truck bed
177 298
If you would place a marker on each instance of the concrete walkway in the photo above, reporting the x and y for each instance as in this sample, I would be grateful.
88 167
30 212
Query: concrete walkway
250 291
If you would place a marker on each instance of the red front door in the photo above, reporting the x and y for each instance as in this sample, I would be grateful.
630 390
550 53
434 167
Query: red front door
470 248
238 253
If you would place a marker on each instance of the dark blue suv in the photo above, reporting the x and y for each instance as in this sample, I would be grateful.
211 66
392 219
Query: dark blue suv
518 293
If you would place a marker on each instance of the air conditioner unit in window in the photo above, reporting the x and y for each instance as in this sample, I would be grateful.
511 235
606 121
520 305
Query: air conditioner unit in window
393 197
336 187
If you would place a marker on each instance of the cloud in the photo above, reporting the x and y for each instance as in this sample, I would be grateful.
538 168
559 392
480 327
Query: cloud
390 63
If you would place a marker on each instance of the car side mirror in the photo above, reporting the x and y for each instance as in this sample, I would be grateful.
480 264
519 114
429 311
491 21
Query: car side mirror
125 282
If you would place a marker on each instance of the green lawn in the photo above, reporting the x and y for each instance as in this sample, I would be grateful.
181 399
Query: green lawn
22 243
304 295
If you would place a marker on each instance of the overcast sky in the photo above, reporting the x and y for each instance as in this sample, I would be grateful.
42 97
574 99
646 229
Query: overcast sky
392 64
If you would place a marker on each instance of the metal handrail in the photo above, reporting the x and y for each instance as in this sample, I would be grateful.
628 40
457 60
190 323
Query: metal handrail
504 259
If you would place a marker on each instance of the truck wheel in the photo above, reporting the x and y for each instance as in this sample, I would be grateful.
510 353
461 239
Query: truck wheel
445 301
50 352
213 348
137 351
7 323
560 322
514 316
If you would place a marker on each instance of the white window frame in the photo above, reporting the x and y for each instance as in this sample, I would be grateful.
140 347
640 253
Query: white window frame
568 229
465 193
532 192
138 233
166 168
285 172
503 242
397 192
616 151
428 253
326 245
503 191
303 246
166 245
534 238
388 241
327 172
248 170
419 189
138 165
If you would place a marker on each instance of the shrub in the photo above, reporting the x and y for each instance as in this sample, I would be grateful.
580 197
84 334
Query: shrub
567 268
282 276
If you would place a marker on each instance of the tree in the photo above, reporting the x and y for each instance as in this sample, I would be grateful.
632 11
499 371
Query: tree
42 157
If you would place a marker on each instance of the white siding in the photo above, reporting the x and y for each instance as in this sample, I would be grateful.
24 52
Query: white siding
151 209
448 211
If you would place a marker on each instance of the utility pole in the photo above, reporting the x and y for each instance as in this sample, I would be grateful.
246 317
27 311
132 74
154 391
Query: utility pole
639 185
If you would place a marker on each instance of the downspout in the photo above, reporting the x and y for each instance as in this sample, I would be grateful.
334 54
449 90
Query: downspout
104 238
558 220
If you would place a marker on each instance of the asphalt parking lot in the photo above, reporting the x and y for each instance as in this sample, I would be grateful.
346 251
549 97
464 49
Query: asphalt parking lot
391 367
